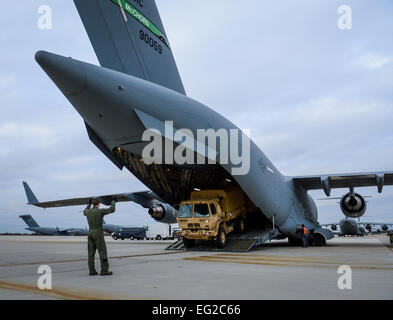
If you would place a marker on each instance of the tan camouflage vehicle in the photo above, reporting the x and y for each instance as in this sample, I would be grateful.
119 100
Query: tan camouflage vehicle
212 215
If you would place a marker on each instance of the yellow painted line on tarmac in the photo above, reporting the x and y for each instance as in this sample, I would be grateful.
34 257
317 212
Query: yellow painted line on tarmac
327 258
288 263
297 259
53 293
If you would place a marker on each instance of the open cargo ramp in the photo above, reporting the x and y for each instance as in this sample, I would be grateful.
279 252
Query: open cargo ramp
237 242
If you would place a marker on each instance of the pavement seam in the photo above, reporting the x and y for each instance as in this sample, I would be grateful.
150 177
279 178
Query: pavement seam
84 260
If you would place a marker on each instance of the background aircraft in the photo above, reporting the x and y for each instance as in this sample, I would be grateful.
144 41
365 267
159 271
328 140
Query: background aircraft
356 228
35 227
138 88
110 228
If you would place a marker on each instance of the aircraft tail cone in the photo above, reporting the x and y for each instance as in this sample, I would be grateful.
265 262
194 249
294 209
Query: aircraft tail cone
68 74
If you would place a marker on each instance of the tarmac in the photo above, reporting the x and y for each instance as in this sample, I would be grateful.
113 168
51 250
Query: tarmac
145 270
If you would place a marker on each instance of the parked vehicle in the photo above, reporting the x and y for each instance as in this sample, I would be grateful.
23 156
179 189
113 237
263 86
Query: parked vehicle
158 231
175 233
212 215
129 233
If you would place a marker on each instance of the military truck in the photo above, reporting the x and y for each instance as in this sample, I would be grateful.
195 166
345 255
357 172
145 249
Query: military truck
212 215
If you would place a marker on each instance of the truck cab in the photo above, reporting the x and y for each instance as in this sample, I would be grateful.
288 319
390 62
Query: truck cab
211 215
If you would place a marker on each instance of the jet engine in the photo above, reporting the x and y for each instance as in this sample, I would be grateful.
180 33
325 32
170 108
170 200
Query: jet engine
353 205
162 213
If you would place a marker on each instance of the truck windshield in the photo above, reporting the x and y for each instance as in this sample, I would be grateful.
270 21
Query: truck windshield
185 211
201 210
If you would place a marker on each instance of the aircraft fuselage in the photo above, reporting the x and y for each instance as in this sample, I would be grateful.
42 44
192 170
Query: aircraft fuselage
119 108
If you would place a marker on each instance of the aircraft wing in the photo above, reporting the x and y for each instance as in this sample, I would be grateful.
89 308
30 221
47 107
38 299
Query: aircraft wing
143 198
63 230
384 226
326 225
349 180
329 224
80 201
376 223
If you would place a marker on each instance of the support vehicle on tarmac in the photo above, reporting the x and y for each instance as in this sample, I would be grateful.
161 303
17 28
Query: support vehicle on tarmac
158 231
129 233
212 215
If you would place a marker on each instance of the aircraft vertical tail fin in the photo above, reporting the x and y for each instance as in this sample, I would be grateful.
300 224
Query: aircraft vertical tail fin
28 219
128 36
31 198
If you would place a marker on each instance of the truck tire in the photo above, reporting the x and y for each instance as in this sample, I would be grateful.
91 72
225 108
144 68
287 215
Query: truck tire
158 237
132 238
221 238
188 243
115 237
241 225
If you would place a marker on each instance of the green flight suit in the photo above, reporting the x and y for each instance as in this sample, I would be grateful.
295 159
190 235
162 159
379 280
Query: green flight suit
96 240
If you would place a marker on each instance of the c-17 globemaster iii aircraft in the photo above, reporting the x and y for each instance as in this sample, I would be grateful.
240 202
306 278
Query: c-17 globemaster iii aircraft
50 231
138 89
351 227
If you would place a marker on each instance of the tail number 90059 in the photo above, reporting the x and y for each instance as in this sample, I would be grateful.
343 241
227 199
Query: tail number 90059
150 41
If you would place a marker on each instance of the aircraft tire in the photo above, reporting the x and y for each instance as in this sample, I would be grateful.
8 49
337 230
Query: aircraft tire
319 240
293 242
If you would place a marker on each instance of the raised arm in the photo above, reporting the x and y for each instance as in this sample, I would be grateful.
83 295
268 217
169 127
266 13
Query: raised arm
111 209
87 208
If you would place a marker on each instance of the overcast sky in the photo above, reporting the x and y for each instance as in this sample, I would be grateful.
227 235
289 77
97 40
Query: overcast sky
316 98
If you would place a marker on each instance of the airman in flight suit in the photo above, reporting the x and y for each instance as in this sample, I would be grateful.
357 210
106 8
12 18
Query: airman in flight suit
96 240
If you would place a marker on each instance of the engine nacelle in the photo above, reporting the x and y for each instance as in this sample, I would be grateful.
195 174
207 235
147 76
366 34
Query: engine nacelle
353 205
162 213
